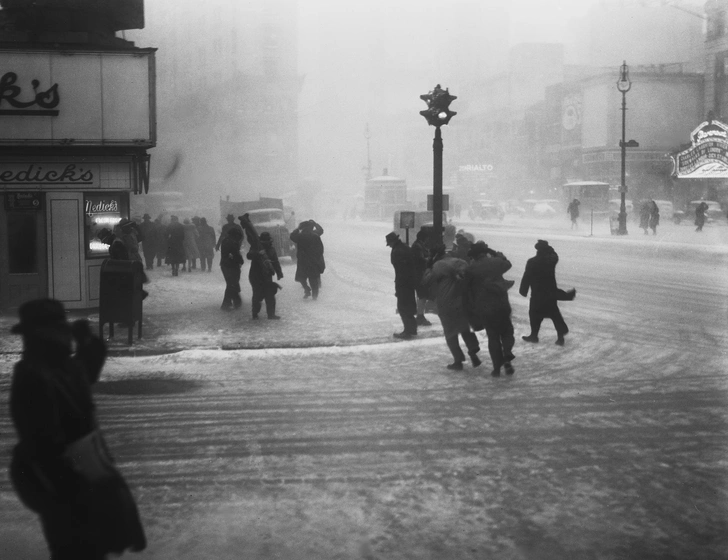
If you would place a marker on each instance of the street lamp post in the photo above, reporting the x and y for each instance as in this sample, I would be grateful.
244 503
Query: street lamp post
623 85
437 113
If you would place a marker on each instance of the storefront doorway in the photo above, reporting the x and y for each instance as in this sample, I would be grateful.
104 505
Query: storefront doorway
23 253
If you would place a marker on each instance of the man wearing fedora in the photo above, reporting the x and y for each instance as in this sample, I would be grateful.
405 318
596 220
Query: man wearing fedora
52 409
405 284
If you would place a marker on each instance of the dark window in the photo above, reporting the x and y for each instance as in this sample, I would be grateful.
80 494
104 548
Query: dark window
22 242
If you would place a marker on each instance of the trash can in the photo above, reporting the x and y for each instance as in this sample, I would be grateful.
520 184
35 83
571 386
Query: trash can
120 295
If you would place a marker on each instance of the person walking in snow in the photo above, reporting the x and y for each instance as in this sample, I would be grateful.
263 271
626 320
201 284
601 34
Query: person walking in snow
310 263
700 211
226 229
150 236
405 284
206 244
573 211
231 262
444 277
421 254
486 300
540 278
192 253
264 265
175 244
654 219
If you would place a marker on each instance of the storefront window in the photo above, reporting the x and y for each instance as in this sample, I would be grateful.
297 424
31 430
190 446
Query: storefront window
22 228
103 211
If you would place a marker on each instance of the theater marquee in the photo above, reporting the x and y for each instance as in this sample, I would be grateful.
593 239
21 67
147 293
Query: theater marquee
707 158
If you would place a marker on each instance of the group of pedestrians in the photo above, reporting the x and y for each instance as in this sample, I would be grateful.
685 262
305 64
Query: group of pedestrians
265 269
471 294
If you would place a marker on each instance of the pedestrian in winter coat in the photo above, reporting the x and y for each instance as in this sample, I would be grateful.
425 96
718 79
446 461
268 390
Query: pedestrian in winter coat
161 241
486 301
52 409
226 229
645 211
405 284
206 243
150 234
117 249
421 254
700 211
654 217
129 234
192 253
310 257
444 277
231 261
461 247
263 265
573 211
540 278
175 244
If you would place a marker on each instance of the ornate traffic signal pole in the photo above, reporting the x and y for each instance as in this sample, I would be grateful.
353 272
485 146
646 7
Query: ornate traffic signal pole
437 114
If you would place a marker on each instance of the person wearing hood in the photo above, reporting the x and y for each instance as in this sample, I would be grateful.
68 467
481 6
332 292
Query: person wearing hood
540 278
486 300
83 515
444 277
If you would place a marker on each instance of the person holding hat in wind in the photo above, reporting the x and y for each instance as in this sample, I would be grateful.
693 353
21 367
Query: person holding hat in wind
310 263
405 284
52 409
540 278
485 294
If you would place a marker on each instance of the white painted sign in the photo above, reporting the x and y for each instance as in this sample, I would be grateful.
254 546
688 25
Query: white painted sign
75 175
77 98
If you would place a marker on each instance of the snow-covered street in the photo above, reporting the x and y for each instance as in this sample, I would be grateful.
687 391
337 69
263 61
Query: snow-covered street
319 436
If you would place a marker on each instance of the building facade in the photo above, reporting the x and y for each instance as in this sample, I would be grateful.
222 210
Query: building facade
77 116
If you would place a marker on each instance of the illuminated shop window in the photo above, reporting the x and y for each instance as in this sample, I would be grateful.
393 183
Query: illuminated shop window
103 211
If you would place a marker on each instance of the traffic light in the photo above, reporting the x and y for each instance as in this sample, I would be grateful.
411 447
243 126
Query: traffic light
438 106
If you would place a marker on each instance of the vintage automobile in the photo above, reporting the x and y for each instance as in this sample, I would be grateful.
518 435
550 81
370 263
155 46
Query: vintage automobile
485 210
714 213
266 214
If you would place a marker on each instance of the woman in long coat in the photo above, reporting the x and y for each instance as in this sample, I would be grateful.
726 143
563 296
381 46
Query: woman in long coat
192 252
444 279
175 244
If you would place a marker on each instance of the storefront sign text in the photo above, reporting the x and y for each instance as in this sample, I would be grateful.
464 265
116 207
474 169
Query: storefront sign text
708 156
101 206
71 174
488 167
9 94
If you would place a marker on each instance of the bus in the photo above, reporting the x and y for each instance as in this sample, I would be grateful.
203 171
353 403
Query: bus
593 195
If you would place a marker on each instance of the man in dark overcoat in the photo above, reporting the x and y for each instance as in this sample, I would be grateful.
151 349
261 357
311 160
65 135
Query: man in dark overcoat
405 284
540 278
310 257
175 244
485 292
231 261
150 236
206 243
421 254
263 265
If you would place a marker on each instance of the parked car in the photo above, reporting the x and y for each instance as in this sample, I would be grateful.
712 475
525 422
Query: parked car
541 208
714 212
485 210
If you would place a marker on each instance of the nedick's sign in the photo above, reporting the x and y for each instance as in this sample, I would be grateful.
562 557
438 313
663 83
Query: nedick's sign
78 98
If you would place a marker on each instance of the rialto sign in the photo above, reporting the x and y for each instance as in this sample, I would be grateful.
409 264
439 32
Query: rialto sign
708 155
77 98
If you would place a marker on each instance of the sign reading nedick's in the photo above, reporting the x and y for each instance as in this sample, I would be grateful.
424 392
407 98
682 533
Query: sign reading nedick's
77 98
708 155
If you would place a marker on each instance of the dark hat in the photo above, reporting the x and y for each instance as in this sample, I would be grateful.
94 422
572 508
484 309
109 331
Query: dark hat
478 248
541 245
146 217
265 236
229 217
203 220
125 222
41 315
391 237
173 218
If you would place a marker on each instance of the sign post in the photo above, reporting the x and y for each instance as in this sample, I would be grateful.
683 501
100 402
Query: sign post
406 221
